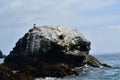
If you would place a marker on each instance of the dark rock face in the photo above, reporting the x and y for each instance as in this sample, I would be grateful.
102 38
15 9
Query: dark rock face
50 51
7 74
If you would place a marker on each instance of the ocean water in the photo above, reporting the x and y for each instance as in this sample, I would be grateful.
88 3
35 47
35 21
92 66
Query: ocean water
1 60
90 73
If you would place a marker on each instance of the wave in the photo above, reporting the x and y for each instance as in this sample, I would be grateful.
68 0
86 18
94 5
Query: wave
46 78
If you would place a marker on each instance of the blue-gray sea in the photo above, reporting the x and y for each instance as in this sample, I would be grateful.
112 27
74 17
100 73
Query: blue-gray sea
90 73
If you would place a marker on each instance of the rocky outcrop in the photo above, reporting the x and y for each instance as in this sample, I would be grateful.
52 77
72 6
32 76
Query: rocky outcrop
51 51
50 44
92 61
2 55
7 74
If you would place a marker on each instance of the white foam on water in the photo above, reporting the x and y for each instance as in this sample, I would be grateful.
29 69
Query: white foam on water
46 78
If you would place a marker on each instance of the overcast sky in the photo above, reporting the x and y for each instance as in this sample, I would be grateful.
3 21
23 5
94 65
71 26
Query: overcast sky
97 20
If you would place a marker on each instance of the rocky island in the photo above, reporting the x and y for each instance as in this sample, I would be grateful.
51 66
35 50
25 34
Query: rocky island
48 51
1 54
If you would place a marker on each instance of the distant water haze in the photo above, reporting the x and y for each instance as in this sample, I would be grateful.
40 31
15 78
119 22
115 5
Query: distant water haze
1 61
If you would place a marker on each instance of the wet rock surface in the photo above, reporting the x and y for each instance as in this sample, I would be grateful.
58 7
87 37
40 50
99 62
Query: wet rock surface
94 62
49 51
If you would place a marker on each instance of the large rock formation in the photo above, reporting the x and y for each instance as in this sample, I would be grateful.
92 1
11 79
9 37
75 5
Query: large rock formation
50 44
50 51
